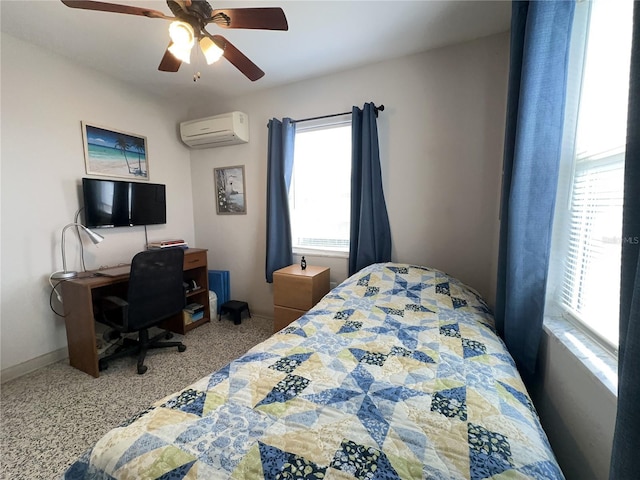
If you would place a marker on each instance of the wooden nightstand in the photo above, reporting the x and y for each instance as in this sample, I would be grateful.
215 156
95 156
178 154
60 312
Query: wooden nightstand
295 291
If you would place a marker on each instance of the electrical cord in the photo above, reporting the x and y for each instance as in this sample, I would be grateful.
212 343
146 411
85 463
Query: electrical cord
108 344
54 290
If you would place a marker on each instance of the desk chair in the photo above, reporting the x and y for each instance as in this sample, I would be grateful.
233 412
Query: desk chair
155 293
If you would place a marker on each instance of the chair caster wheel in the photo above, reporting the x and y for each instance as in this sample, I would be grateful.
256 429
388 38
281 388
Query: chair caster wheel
142 369
182 348
168 335
102 365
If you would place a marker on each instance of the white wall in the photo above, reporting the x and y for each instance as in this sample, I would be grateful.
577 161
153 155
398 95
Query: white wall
441 137
44 98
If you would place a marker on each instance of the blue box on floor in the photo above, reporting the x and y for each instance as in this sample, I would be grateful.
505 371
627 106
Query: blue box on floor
219 282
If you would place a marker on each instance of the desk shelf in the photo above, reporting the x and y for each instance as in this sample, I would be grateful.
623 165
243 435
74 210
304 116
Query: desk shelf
195 270
196 292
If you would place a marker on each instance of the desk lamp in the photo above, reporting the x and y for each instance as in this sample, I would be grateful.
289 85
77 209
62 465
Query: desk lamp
65 274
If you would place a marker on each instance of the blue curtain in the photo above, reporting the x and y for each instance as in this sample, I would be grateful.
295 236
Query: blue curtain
625 458
279 169
370 240
540 38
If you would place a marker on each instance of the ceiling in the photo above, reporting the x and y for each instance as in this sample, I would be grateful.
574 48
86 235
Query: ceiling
323 37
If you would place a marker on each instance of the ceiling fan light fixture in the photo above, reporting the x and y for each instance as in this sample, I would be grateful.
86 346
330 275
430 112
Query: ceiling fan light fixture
211 51
182 38
181 34
181 53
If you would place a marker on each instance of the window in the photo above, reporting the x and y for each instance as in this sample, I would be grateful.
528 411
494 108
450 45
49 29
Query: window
588 225
319 196
591 283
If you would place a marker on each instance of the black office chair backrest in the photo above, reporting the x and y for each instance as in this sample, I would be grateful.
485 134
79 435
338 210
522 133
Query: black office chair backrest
155 287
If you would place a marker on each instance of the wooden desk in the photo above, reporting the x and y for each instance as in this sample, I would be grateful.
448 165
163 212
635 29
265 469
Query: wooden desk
79 295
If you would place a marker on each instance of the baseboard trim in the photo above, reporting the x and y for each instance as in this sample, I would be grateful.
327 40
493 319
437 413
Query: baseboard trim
11 373
16 371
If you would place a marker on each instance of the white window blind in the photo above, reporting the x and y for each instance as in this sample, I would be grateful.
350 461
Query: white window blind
591 283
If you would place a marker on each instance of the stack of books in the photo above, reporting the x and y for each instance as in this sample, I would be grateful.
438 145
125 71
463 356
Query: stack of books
192 313
167 244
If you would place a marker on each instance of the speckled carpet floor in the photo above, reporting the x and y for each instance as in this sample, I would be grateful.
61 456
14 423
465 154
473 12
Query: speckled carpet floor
53 415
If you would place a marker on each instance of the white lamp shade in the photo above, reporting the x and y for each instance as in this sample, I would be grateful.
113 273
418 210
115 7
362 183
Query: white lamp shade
211 51
181 34
182 38
181 53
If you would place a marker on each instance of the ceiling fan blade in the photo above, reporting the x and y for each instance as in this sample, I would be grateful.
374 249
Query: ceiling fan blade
255 18
237 58
169 62
115 8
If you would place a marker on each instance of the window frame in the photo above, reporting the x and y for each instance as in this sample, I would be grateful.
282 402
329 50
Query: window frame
555 311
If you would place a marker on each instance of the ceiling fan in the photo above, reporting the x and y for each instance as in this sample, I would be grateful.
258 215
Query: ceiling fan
188 27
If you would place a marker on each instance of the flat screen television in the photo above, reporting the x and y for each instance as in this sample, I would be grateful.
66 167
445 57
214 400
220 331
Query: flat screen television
113 203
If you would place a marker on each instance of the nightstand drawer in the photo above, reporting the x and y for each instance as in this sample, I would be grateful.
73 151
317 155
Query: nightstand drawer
293 292
283 316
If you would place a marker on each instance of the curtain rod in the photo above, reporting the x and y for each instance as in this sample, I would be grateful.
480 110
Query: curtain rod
376 109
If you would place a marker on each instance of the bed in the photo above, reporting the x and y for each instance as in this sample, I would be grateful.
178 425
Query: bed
395 373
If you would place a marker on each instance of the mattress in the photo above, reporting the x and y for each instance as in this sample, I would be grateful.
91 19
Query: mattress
395 373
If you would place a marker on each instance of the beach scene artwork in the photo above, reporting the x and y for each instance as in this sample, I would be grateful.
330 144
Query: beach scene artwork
230 196
114 153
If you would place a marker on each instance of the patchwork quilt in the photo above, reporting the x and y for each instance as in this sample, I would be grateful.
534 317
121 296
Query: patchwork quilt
396 373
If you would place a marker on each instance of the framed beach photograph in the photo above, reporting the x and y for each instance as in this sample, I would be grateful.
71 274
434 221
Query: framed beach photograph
230 190
114 153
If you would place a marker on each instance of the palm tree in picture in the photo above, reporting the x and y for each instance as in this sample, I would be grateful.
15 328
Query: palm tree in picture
138 144
123 146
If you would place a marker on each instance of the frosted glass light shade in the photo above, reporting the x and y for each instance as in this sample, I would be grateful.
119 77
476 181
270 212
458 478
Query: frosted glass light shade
181 34
211 51
181 53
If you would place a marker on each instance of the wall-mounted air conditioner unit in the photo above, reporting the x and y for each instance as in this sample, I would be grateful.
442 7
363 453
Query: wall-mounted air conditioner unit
217 131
